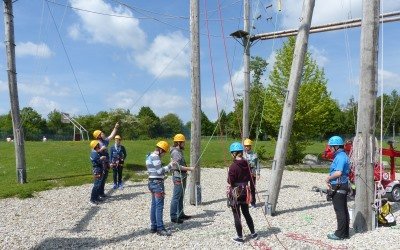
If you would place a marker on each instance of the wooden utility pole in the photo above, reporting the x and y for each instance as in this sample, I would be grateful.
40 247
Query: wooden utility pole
364 216
195 129
13 89
246 69
289 107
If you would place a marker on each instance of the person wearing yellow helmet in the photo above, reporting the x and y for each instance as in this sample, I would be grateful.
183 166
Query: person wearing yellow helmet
179 178
156 186
104 141
97 161
252 159
118 155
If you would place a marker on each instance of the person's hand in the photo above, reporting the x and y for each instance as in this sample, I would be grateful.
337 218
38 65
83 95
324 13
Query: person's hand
104 148
174 165
327 181
116 125
190 168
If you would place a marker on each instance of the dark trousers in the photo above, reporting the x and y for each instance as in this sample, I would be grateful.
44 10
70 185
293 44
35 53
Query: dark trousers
103 182
117 174
253 189
237 217
94 196
342 215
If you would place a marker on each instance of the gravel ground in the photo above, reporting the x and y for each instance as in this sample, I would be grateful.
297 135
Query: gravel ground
63 218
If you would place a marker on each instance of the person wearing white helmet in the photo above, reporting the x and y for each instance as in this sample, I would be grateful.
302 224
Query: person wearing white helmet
252 159
337 182
104 141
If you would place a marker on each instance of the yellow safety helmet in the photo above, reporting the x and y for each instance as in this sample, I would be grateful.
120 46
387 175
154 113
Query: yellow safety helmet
163 145
93 144
96 134
117 137
248 142
179 137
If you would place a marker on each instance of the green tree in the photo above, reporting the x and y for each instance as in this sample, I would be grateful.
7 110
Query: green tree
149 125
56 127
33 123
171 125
390 115
6 126
207 127
314 108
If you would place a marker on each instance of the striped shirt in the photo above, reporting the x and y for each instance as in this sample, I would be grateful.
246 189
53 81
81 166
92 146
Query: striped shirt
252 159
155 168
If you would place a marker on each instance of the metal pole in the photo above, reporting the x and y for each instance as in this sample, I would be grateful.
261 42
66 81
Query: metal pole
364 199
289 105
246 69
195 129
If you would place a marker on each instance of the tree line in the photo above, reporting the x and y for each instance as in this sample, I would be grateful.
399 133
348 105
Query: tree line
317 115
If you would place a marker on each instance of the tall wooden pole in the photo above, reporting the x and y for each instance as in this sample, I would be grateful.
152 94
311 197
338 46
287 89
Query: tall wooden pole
289 107
246 69
13 89
195 130
364 216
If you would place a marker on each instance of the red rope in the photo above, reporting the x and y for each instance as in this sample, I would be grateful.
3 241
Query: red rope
304 238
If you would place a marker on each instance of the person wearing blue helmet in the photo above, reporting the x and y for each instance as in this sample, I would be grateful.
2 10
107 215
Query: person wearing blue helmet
239 196
337 182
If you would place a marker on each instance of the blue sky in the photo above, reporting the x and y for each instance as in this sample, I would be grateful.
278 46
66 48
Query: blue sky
105 55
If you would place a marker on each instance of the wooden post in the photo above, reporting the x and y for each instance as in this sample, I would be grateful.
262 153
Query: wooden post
364 215
289 107
195 129
246 69
13 89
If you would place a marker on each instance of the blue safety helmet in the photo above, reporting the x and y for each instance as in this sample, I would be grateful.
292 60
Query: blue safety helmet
335 141
236 146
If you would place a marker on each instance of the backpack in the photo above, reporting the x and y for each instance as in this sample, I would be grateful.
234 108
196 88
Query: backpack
385 216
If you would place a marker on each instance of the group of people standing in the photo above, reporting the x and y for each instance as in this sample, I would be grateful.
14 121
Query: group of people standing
102 160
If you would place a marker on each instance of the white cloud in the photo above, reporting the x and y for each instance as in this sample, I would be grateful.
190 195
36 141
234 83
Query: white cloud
43 105
45 88
117 31
328 11
161 102
318 55
237 83
390 80
32 49
167 56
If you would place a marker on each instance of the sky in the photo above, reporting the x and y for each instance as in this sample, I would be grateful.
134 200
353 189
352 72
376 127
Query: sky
86 56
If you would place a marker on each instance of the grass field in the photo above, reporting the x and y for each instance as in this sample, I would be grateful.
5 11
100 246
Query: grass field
54 164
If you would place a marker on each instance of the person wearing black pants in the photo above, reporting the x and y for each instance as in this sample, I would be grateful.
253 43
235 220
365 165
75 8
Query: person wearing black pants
239 176
337 182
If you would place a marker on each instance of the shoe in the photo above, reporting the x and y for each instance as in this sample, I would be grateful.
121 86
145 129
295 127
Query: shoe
153 231
333 236
164 232
115 186
185 217
239 240
254 236
120 186
94 203
103 196
101 199
179 221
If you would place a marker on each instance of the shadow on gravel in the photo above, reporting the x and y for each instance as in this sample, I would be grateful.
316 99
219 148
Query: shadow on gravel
319 205
289 186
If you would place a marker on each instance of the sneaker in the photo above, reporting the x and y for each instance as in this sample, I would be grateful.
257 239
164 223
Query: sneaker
115 186
239 240
94 203
333 236
120 186
185 217
254 236
164 232
179 221
153 230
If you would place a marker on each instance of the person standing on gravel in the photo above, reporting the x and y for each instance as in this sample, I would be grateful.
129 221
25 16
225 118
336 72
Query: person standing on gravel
118 155
252 159
156 186
239 176
104 141
97 168
337 182
179 178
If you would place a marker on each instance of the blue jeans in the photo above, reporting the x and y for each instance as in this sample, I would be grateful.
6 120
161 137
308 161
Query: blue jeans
176 209
156 187
103 181
97 176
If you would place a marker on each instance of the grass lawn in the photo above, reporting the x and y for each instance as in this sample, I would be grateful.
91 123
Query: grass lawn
54 164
